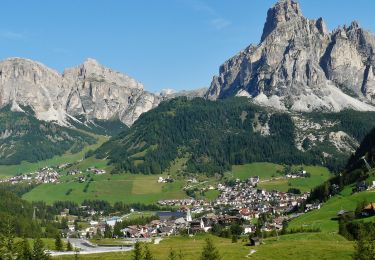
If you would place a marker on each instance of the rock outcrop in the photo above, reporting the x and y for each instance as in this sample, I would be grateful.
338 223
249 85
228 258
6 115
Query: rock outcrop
300 66
90 89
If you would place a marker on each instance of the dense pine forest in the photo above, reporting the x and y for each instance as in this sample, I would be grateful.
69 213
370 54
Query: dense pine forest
213 135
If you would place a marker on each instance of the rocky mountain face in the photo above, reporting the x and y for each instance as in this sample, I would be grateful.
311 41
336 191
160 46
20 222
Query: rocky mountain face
89 90
300 66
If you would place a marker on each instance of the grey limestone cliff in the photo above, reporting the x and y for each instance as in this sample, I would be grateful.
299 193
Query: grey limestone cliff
300 66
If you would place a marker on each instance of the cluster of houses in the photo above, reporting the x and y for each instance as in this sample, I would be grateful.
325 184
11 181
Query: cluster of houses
74 172
50 175
294 175
245 194
184 202
64 166
165 180
363 186
173 223
95 170
44 175
82 178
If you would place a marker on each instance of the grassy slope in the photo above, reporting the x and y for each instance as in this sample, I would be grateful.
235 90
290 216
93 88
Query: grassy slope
324 218
318 176
310 246
128 188
264 170
25 167
268 171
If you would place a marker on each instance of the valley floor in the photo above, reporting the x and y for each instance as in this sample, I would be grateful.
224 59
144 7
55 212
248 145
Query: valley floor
296 246
131 188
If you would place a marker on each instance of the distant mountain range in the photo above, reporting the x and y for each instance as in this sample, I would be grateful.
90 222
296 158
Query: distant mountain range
300 66
89 90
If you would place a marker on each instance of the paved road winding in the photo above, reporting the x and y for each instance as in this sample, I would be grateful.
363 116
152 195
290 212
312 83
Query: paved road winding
88 248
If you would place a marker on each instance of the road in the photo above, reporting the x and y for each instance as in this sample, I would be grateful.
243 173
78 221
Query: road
88 248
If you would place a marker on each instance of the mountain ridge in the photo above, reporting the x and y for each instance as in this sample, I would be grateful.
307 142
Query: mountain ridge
89 90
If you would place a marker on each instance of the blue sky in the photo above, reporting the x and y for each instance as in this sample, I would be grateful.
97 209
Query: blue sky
176 44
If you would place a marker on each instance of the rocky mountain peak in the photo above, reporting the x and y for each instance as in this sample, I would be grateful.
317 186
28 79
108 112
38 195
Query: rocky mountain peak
300 66
321 26
354 25
92 70
282 12
18 66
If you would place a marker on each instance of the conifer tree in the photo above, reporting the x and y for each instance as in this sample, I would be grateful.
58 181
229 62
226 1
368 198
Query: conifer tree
24 252
69 246
210 252
148 254
7 245
58 243
39 250
137 252
364 247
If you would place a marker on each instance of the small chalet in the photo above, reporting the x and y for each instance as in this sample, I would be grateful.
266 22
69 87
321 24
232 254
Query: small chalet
254 241
369 209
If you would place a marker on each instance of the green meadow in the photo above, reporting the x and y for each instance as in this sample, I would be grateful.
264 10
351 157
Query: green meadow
318 176
272 179
26 167
128 188
309 246
263 170
325 217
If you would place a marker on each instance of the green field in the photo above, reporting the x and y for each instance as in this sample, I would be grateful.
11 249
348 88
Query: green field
129 188
26 167
296 246
318 176
263 170
272 179
324 217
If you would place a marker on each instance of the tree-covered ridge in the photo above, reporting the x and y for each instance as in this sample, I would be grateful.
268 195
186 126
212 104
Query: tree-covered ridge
366 151
217 134
25 138
99 126
19 213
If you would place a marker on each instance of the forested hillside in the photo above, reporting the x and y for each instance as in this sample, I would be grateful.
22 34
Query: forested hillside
356 170
109 127
214 135
19 213
366 150
25 138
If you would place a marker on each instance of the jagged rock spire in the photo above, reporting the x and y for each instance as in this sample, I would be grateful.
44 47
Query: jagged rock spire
282 11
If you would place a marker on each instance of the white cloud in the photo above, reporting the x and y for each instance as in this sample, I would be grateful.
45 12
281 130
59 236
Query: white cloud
10 35
216 20
220 23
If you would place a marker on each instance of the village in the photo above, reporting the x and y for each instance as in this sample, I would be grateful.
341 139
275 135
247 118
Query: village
241 203
51 175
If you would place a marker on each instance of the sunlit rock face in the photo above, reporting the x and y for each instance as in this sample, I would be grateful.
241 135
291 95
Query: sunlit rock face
90 89
300 66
